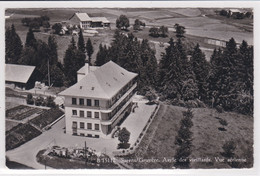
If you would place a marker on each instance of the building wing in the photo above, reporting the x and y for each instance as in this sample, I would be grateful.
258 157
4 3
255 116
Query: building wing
18 73
104 82
100 19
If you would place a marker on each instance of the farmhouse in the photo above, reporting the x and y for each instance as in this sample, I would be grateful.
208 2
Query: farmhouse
84 21
99 100
22 76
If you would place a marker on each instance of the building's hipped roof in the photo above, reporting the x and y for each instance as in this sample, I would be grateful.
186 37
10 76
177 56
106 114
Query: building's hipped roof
18 73
100 19
82 16
104 82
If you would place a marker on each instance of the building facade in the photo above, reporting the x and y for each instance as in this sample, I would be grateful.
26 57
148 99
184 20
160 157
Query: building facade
85 22
99 101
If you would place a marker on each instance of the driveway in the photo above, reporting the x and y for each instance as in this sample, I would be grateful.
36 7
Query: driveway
26 153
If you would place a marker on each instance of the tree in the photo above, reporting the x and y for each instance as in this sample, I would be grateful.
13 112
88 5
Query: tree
154 32
53 55
179 30
89 49
30 39
34 25
124 136
101 56
137 25
29 99
57 76
13 46
229 148
57 28
200 67
50 102
46 25
74 59
81 43
150 94
122 22
164 31
26 21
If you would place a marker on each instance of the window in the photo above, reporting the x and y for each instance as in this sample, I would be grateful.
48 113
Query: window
96 136
89 135
81 113
74 101
96 126
97 115
82 125
82 134
74 112
89 126
89 114
88 102
81 101
74 125
97 103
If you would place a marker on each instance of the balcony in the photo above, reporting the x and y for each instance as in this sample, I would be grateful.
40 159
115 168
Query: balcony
109 122
120 100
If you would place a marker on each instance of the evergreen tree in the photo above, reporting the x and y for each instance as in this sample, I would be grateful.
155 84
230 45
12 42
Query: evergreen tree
74 59
101 56
13 46
30 39
179 30
89 49
81 43
200 68
53 55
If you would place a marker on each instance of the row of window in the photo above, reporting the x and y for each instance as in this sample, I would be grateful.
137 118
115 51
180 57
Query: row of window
82 114
82 126
82 102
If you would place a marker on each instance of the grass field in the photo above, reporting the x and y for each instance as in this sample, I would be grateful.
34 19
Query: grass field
158 142
199 24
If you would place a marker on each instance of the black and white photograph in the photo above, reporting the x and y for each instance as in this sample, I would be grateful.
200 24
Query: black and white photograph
129 88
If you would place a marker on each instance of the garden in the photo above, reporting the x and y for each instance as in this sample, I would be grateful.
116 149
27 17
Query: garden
21 112
47 117
19 135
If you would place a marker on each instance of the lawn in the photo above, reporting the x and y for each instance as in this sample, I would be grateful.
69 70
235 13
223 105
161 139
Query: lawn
208 139
19 135
47 117
158 142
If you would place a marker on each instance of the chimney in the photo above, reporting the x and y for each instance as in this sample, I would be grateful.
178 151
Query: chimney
86 68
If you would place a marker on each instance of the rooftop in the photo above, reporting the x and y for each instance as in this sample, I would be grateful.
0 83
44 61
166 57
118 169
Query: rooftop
83 16
18 73
83 69
100 19
102 83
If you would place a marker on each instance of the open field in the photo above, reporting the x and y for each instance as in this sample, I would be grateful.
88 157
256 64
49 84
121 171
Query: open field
158 142
199 24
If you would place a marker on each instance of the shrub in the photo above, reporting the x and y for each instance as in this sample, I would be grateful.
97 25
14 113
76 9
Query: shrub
229 148
29 99
187 122
39 101
124 135
219 109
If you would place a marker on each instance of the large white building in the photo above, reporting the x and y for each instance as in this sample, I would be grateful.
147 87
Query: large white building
99 100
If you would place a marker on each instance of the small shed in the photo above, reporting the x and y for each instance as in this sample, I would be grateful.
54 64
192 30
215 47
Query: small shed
20 75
